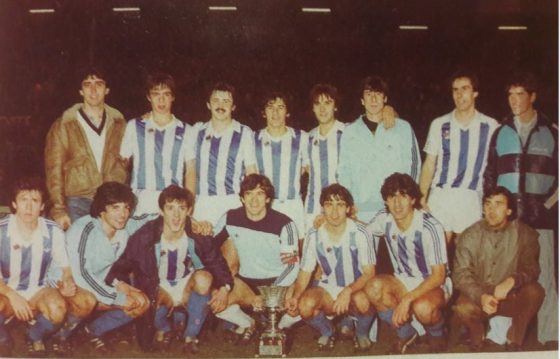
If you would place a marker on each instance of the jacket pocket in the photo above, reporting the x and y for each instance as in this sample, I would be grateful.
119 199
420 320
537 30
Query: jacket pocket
79 176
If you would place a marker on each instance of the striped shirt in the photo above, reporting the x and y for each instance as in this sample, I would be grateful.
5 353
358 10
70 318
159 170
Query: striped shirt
221 158
281 160
414 251
24 264
176 260
341 263
461 152
323 162
158 154
261 245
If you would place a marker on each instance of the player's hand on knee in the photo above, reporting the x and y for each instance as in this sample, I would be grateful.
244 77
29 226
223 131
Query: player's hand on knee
67 288
342 301
291 305
21 307
219 300
258 303
489 304
401 314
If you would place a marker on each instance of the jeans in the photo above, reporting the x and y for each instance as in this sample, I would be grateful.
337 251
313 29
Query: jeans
78 207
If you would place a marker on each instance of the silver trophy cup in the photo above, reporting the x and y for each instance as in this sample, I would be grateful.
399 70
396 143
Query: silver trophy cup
273 340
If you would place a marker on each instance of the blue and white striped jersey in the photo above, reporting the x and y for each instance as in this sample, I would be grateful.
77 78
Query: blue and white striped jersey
281 160
221 158
416 250
176 260
266 249
158 154
24 264
323 162
461 152
341 263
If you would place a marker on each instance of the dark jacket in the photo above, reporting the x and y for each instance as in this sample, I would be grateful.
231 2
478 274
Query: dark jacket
139 259
530 172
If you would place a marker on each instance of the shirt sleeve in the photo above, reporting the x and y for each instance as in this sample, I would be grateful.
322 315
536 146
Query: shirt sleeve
221 230
434 244
366 249
248 143
376 227
433 142
309 259
190 143
289 254
60 257
129 139
303 149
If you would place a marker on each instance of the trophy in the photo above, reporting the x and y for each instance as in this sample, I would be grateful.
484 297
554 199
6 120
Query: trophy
273 340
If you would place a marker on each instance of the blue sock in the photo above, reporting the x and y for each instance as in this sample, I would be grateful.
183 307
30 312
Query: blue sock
322 324
108 321
179 318
346 321
404 331
161 322
435 330
42 327
3 332
197 307
363 324
69 325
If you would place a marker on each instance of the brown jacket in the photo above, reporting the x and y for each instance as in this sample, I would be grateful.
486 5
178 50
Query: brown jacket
484 257
69 162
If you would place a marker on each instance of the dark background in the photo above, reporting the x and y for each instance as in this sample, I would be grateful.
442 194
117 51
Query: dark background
264 45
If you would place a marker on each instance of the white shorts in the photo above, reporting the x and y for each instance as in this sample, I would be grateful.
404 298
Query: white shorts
292 208
455 208
147 201
332 289
410 283
176 291
212 208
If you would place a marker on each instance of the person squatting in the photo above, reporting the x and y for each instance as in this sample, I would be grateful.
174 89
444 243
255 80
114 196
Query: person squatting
161 223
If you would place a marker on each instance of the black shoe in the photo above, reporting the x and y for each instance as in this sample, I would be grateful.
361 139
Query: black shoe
36 349
61 347
163 340
361 344
403 344
247 335
190 346
98 345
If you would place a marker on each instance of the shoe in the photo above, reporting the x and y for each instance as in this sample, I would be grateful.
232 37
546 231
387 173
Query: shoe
190 346
346 332
61 347
98 345
230 336
361 344
247 335
513 347
6 349
403 344
163 340
437 344
36 349
325 343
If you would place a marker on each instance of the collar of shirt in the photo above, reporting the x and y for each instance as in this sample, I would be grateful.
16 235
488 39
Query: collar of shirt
234 126
526 126
417 222
372 126
475 121
338 126
121 235
263 134
37 235
151 124
324 234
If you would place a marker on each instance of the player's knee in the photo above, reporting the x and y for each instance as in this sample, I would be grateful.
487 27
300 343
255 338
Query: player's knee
142 307
361 302
466 310
426 312
82 304
202 282
306 306
534 293
374 290
54 310
5 308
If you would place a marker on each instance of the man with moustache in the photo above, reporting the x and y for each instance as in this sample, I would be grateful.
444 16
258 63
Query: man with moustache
82 150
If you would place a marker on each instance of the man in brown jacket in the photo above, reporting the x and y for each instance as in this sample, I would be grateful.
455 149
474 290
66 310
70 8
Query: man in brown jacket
496 270
82 150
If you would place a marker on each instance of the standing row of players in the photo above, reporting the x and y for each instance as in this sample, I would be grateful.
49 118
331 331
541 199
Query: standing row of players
214 156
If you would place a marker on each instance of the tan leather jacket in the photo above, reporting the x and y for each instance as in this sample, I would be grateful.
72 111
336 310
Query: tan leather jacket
69 162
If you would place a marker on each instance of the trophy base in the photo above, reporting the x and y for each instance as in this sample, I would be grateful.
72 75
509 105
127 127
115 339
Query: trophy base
272 347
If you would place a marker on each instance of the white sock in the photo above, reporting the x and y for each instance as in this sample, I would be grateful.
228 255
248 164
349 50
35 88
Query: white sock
287 321
235 315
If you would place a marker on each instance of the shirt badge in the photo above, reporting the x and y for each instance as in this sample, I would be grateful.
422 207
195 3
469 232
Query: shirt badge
446 135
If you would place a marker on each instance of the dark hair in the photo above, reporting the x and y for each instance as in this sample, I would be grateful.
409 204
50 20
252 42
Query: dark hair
255 180
523 79
375 83
85 72
110 193
500 190
272 96
336 191
175 193
403 184
159 79
28 184
224 87
464 73
324 90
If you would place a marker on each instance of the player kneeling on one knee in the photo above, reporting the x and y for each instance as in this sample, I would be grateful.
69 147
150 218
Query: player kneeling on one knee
167 261
345 253
31 247
419 287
